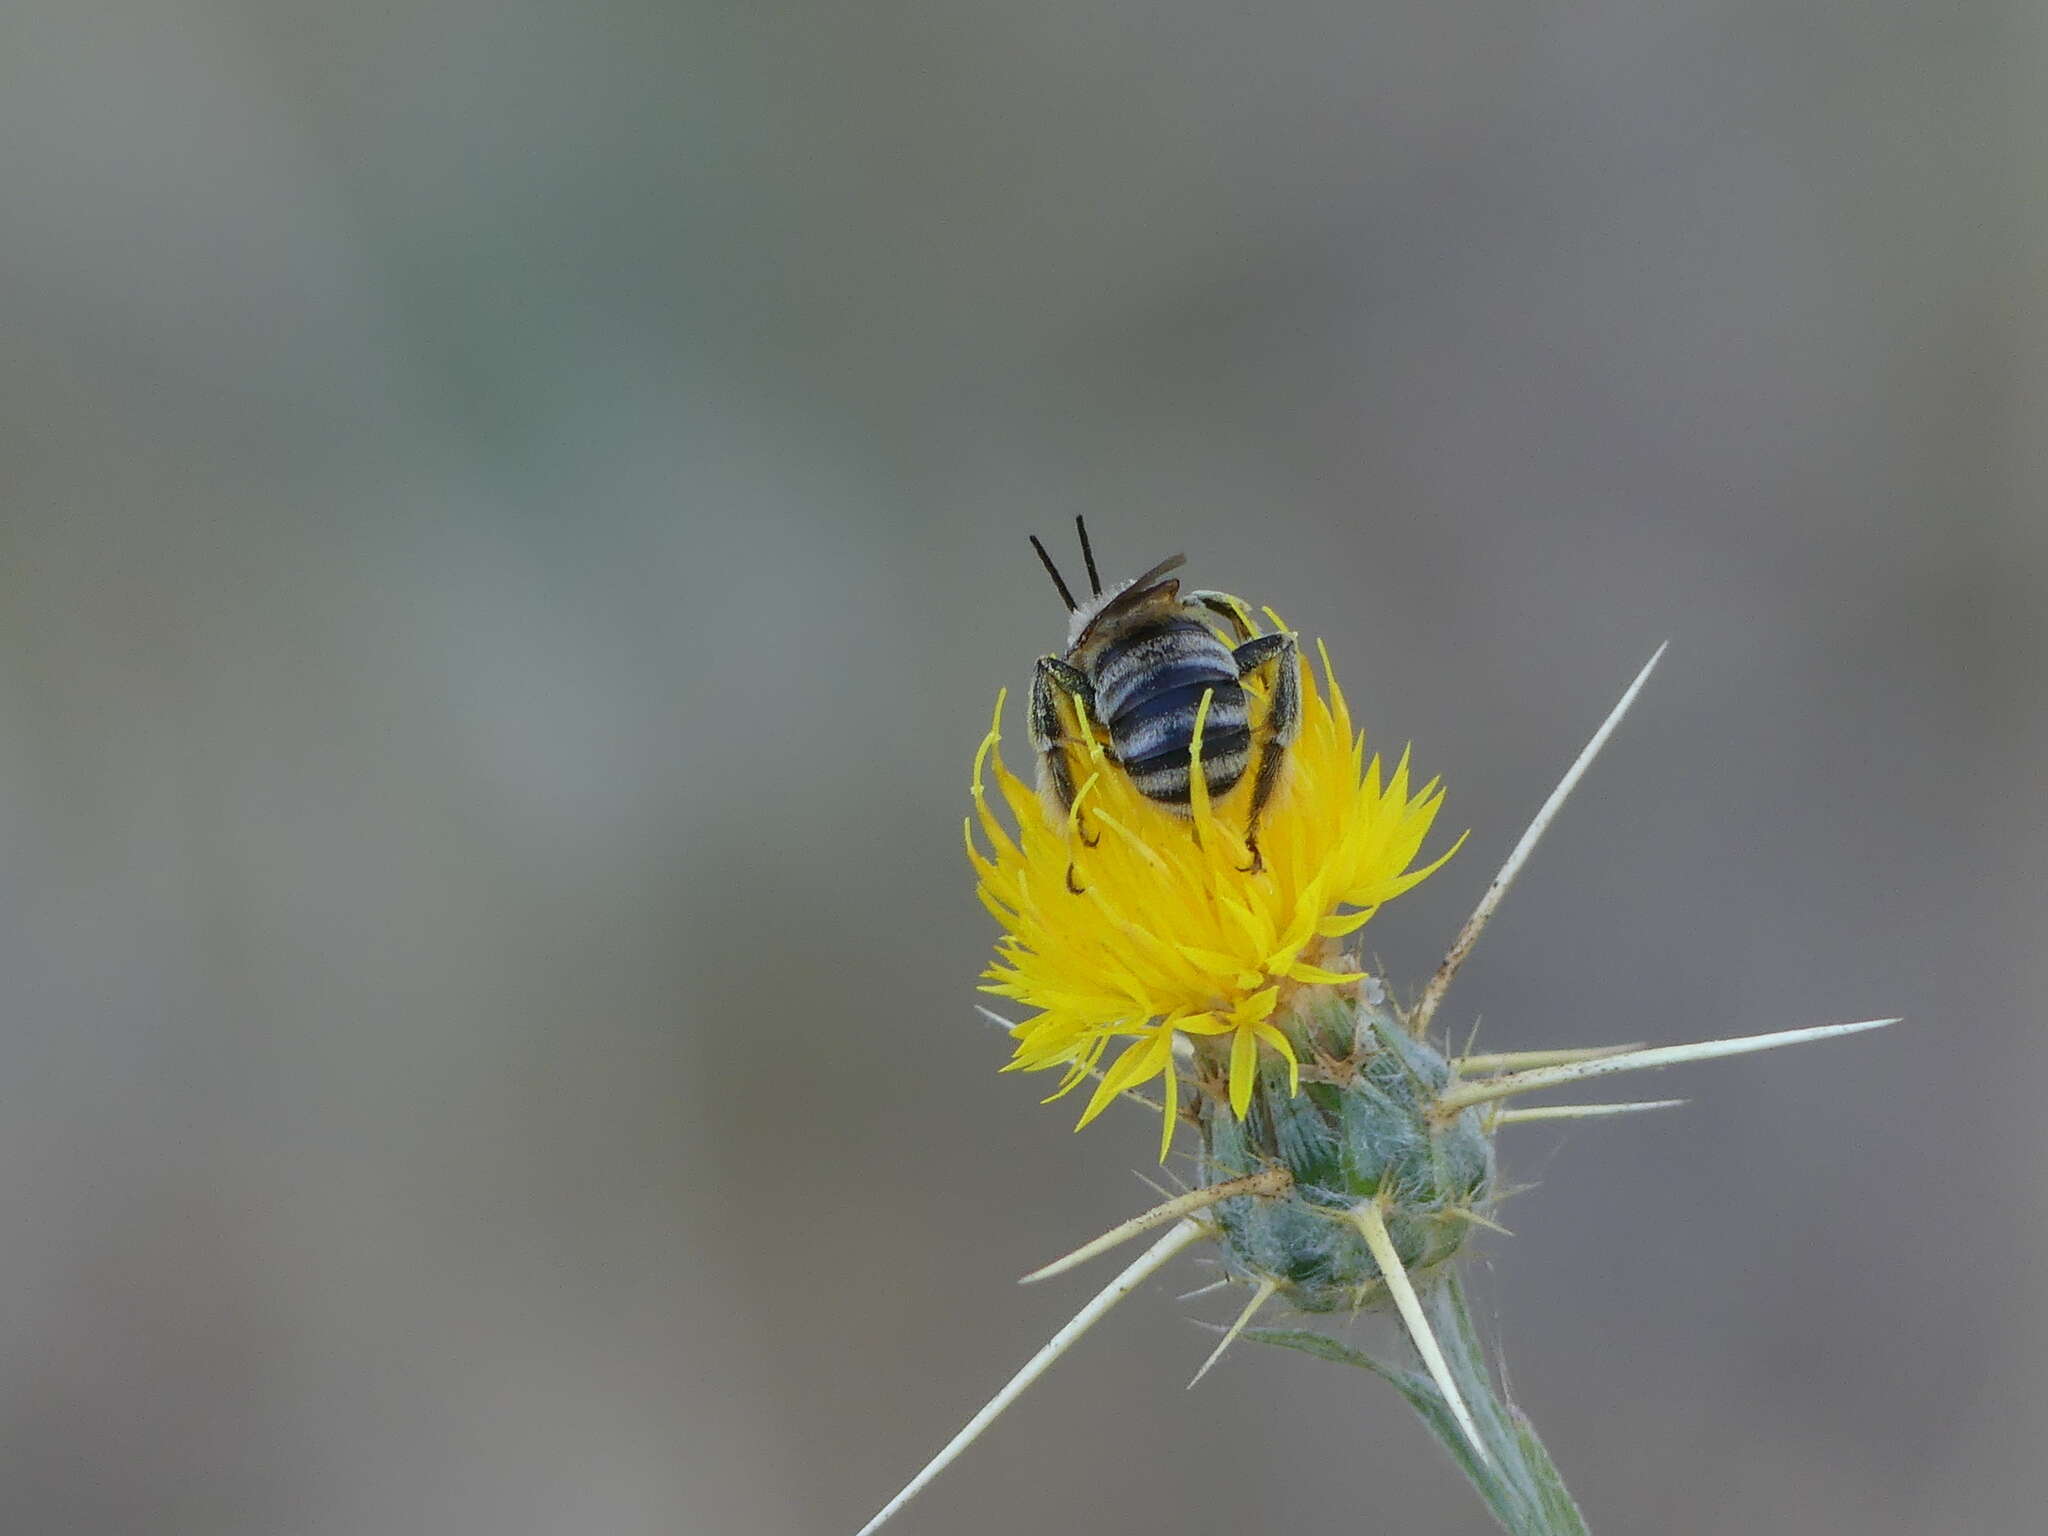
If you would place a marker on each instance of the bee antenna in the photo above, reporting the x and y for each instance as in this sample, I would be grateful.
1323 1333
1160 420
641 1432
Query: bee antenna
1088 554
1054 572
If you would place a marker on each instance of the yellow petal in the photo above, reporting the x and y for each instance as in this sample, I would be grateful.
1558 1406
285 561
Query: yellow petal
1285 1047
1258 1006
1171 1095
1244 1068
1301 970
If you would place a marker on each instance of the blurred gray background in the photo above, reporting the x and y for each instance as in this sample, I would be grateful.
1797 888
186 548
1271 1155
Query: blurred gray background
513 522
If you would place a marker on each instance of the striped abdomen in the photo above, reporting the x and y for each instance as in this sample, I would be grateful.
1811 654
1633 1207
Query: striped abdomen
1148 690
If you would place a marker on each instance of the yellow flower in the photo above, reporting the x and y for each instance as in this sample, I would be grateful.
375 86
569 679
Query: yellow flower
1170 934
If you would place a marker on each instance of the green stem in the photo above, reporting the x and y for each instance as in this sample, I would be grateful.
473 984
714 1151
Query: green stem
1521 1486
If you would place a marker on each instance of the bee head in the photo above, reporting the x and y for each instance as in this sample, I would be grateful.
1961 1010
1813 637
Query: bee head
1101 605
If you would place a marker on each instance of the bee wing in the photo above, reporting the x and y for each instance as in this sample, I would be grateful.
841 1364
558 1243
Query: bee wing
1125 597
1141 587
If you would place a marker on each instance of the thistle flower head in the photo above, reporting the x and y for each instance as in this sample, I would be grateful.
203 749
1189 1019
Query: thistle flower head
1129 925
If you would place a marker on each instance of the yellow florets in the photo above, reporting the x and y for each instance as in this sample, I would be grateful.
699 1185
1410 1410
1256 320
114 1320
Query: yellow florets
1170 934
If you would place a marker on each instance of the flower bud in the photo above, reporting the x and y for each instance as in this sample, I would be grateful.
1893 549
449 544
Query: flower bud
1364 1128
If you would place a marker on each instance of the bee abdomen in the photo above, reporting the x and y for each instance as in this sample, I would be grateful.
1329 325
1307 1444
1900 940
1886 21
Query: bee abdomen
1149 687
1152 660
1153 734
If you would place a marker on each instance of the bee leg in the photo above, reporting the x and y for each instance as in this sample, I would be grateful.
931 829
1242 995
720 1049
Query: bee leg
1282 725
1049 735
1049 731
1231 609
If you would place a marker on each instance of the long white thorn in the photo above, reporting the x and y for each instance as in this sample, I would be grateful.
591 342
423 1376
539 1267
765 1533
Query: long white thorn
1373 1227
1141 1269
1502 1061
1582 1111
1475 925
1269 1181
1465 1213
1203 1290
1454 1099
1155 1186
1260 1297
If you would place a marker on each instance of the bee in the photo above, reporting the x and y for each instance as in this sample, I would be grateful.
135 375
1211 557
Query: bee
1137 663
